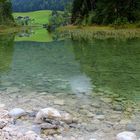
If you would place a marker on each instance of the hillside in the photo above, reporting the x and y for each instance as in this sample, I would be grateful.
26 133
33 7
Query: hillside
40 17
34 5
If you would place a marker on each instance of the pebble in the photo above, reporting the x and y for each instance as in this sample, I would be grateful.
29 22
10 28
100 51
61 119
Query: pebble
2 106
118 108
125 121
67 118
59 102
36 129
130 127
3 123
49 113
100 117
48 126
126 136
106 100
96 105
17 112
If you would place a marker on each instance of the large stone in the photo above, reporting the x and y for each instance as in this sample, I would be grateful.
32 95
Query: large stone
16 113
67 118
126 136
54 114
49 113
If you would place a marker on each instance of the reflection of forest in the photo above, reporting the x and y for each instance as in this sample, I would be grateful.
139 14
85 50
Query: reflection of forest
6 51
112 65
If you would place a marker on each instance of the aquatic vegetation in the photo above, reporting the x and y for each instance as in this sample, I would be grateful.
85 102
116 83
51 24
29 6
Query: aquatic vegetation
90 33
6 51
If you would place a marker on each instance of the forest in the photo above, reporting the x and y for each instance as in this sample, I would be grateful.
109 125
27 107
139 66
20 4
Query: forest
106 11
33 5
83 12
5 12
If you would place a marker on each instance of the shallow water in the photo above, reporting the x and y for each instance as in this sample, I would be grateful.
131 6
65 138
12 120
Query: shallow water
78 77
70 66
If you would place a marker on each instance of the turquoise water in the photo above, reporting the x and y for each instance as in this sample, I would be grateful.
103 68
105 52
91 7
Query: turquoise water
70 66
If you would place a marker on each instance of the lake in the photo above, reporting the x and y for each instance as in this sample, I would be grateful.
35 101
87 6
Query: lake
35 66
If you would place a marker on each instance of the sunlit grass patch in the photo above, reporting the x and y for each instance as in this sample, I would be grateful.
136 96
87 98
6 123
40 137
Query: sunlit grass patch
40 17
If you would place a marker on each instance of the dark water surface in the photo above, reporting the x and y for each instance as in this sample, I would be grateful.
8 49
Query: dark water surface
71 66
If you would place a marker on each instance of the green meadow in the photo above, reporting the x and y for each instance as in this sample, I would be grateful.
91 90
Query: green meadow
37 35
41 17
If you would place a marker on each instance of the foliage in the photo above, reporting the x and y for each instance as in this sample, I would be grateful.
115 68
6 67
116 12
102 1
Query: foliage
24 20
6 51
58 19
106 11
5 12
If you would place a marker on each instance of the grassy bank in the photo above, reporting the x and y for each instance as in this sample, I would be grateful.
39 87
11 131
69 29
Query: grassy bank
9 29
99 32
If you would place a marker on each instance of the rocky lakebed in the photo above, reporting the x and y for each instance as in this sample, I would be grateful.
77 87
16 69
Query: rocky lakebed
61 116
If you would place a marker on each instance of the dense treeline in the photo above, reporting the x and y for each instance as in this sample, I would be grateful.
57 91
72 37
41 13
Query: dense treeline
5 12
33 5
106 11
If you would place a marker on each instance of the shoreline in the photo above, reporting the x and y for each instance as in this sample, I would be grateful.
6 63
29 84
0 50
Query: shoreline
99 32
9 29
13 29
97 118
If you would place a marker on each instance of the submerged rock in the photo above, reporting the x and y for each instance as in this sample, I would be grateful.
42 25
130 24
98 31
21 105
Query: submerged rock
59 102
126 136
106 100
17 112
130 127
118 108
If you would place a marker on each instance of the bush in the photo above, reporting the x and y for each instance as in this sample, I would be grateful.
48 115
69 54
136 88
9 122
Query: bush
58 19
138 25
120 23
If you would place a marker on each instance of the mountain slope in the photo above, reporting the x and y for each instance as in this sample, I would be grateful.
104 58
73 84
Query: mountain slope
33 5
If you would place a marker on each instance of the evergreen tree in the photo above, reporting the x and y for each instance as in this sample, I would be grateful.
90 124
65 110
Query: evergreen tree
5 11
106 11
